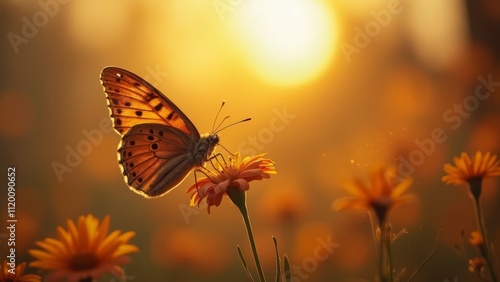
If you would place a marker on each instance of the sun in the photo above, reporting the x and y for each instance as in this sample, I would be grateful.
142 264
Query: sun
287 42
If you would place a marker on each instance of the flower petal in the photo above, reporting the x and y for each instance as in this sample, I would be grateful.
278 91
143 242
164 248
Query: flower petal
84 250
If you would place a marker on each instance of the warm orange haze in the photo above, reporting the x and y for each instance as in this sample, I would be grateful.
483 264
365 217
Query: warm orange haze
372 147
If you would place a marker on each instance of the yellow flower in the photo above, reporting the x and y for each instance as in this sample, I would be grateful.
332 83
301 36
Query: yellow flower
381 195
235 174
476 239
84 251
465 169
17 276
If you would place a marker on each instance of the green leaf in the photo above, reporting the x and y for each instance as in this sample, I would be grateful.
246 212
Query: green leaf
278 261
288 273
244 263
427 258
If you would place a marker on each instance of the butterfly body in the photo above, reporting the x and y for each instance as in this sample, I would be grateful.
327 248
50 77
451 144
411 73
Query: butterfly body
160 146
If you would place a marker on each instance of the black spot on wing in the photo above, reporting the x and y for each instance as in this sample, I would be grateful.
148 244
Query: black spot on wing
150 97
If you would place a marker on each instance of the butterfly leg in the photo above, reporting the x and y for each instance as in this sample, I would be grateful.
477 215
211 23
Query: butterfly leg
204 173
233 155
216 157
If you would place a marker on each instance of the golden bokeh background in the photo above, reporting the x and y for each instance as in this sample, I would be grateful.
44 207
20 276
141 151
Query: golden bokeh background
334 88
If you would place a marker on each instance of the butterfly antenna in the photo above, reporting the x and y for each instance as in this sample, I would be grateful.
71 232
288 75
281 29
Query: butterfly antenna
244 120
217 116
224 119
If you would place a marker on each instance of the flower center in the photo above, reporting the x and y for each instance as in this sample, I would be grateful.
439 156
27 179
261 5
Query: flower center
381 206
475 186
83 261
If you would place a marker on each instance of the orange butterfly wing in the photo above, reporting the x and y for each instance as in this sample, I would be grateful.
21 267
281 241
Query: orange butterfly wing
160 145
153 158
132 101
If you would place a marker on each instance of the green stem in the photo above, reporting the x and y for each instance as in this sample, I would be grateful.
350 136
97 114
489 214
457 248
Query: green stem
374 237
389 253
485 248
244 213
385 256
238 197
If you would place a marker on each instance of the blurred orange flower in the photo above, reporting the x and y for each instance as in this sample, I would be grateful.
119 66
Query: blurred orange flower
235 174
84 251
381 195
465 169
6 276
187 248
285 204
476 239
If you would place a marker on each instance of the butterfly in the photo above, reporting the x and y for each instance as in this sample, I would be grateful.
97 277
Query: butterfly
160 146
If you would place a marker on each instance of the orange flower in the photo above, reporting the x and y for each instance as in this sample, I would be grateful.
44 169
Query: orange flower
465 169
380 195
84 251
17 276
236 174
476 239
